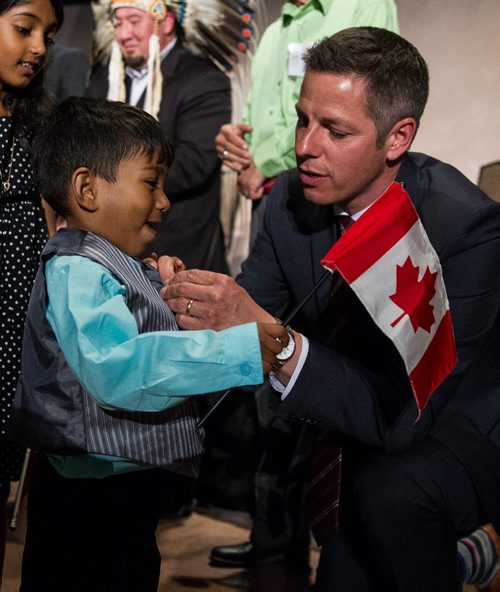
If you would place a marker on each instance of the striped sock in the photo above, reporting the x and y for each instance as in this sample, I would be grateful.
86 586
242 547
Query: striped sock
477 558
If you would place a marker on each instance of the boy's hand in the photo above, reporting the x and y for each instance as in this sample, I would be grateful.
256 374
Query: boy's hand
166 266
273 338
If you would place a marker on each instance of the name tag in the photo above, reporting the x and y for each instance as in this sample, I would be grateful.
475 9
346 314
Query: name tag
296 53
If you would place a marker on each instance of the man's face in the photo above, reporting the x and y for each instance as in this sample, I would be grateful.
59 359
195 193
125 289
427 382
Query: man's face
133 28
335 143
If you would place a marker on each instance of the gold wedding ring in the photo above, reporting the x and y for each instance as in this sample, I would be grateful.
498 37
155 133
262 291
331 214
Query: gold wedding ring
188 306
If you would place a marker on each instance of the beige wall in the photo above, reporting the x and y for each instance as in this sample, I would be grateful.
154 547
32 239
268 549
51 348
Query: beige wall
460 40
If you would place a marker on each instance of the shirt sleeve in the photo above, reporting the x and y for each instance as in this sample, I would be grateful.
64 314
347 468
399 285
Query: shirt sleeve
123 369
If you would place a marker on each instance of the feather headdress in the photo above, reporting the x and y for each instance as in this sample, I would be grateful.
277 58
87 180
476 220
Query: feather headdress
221 30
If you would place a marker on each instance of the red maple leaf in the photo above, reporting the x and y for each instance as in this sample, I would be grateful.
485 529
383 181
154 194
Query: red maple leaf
414 296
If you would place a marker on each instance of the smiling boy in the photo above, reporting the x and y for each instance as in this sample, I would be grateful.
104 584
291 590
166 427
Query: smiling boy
107 378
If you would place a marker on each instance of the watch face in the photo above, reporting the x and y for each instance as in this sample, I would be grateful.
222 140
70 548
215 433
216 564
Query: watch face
287 352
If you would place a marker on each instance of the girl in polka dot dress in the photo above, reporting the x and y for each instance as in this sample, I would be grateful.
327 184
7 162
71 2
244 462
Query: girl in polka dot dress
26 30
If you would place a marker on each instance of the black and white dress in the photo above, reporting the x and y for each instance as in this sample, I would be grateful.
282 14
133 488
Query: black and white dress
22 236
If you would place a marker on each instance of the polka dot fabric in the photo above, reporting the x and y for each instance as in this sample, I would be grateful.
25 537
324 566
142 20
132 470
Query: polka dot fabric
22 236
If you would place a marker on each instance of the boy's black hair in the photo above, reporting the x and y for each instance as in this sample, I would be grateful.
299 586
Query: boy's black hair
94 133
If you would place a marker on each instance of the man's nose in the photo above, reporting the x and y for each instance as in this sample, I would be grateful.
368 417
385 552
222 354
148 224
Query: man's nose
306 142
124 31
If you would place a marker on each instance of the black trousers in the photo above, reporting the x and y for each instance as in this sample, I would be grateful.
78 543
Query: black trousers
91 534
279 523
400 520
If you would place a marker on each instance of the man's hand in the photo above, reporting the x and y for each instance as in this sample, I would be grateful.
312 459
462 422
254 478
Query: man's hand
209 300
273 338
251 182
231 146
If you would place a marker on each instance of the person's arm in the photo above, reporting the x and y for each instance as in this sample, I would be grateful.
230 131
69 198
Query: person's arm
151 371
203 110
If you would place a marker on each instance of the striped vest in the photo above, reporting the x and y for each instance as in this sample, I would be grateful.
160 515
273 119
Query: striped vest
53 413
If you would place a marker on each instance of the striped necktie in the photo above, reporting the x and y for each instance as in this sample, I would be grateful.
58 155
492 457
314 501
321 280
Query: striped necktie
326 467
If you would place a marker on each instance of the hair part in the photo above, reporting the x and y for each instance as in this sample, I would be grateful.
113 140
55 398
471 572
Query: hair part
93 133
396 75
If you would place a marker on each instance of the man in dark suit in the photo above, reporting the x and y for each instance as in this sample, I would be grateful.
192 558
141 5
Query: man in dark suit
194 101
410 486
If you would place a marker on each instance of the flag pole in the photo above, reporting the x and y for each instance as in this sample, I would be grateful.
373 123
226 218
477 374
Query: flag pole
285 322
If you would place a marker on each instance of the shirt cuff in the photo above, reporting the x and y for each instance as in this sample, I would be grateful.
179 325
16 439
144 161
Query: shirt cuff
278 385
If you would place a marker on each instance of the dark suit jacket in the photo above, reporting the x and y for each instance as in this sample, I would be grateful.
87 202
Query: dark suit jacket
365 394
66 72
195 103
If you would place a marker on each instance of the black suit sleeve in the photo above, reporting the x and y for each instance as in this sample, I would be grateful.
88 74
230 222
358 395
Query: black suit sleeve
367 395
360 400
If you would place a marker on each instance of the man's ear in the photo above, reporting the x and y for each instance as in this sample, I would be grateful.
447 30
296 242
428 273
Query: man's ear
400 138
167 25
83 185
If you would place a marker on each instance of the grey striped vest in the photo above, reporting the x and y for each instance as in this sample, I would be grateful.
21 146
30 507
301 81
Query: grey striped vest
52 410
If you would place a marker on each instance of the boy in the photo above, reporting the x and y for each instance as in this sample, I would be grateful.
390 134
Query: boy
106 378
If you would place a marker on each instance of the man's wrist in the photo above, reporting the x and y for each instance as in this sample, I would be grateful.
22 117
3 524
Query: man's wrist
287 352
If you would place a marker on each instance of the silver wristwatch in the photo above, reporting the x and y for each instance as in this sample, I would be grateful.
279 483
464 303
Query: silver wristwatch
287 352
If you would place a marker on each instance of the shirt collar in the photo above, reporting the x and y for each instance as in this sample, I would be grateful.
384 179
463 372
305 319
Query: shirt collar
339 211
291 10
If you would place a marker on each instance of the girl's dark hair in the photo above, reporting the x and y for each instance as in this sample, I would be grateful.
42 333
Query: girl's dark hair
95 133
29 104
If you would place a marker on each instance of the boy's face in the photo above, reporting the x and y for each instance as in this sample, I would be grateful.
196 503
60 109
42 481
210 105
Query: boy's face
130 208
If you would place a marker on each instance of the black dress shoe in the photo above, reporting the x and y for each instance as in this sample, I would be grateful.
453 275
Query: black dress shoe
242 555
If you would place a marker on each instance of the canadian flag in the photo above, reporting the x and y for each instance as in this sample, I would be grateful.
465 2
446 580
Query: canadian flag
389 262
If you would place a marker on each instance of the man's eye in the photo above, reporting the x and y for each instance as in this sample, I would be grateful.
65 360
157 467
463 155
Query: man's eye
338 135
152 183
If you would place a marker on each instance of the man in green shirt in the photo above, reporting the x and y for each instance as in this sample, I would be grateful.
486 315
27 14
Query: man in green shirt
259 149
263 146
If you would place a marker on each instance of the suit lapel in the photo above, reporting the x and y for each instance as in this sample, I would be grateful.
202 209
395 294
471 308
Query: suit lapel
168 68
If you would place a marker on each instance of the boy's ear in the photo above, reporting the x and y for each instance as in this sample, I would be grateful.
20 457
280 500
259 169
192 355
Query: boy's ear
83 185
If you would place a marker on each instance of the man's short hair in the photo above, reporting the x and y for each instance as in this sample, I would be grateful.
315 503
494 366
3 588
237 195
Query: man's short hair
94 133
397 78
